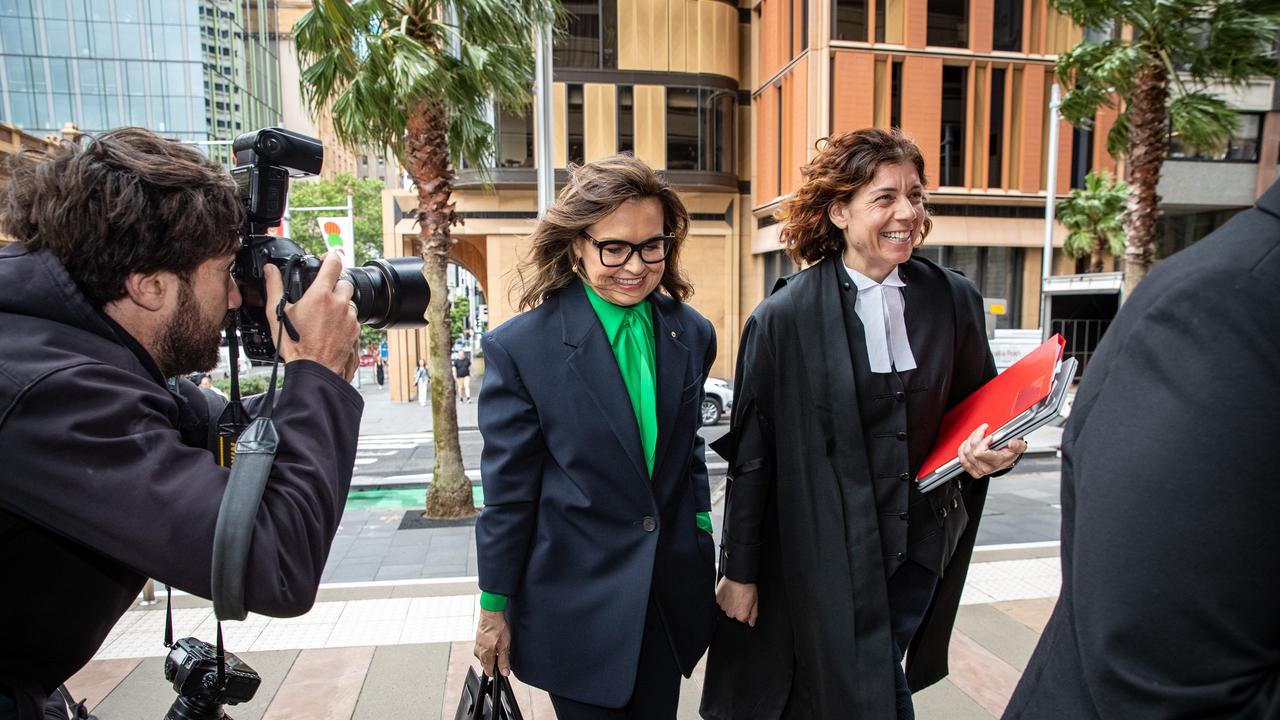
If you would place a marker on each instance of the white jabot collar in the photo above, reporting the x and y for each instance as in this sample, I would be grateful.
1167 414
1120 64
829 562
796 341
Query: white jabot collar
881 309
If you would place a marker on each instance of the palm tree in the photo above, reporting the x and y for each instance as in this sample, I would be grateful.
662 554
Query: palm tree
418 76
1160 78
1092 215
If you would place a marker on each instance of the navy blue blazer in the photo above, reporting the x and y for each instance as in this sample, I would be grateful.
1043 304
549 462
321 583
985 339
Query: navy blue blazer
573 528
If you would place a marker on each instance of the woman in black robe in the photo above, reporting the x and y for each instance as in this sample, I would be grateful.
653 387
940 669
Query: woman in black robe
834 565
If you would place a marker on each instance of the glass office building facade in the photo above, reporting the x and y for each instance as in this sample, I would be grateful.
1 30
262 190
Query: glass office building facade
187 69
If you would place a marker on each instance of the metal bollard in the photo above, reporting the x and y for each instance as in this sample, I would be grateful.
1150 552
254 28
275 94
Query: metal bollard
148 593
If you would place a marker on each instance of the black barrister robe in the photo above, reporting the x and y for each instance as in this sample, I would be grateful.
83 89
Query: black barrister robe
801 511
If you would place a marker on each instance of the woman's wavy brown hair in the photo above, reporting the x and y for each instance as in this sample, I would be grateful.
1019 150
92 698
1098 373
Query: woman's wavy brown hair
593 192
844 163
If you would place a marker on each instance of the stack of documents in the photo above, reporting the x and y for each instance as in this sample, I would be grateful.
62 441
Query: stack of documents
1028 395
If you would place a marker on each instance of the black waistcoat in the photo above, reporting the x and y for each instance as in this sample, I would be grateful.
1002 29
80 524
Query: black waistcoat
901 412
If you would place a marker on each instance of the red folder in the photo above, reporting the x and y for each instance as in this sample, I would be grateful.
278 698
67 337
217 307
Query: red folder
1003 398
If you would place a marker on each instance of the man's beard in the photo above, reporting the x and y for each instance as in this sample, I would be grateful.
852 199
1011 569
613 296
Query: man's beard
188 343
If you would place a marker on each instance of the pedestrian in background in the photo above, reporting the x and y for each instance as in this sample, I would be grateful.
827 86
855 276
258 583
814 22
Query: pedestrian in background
380 372
833 562
462 374
1169 566
594 546
422 377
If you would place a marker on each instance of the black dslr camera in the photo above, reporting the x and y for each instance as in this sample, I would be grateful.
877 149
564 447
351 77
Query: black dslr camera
192 667
389 293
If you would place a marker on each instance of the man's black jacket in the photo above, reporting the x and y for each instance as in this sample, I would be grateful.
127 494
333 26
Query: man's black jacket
98 491
1170 574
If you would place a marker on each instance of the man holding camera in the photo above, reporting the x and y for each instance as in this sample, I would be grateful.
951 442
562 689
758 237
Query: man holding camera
120 278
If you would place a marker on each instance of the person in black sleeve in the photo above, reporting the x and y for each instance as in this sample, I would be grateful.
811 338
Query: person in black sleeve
834 564
118 280
1169 492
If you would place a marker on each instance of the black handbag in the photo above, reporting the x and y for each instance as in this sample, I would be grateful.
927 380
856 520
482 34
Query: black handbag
487 698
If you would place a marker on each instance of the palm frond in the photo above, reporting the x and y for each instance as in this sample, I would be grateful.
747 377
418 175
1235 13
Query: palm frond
1202 121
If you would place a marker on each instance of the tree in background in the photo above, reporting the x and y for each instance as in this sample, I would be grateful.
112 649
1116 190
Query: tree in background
1160 80
458 316
1092 215
366 196
418 76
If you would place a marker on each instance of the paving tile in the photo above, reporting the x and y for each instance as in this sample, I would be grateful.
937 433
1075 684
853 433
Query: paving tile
97 679
1006 638
944 701
143 693
323 684
403 680
978 673
1032 613
399 572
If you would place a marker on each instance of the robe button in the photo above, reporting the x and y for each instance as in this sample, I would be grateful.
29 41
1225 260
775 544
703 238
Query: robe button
904 516
901 556
904 476
649 524
902 436
944 512
900 396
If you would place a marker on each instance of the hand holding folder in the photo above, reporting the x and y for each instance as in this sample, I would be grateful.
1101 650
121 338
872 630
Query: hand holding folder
1027 395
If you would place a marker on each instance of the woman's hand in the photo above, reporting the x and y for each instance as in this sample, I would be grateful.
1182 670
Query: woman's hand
979 460
738 600
493 643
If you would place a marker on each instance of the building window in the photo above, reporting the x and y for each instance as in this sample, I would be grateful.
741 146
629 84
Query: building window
718 108
996 271
777 264
948 23
995 138
851 20
515 138
574 124
1006 26
626 119
682 129
951 159
590 39
1081 155
1242 146
895 94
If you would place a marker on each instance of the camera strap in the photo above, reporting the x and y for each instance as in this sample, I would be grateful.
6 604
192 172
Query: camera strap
255 452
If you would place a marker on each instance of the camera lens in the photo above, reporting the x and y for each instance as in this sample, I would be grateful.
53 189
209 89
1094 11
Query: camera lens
390 293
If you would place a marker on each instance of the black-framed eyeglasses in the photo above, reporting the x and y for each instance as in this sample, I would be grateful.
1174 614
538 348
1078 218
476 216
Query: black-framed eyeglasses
616 253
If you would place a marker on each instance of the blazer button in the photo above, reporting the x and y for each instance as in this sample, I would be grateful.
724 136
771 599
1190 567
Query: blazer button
901 556
900 396
904 516
902 436
904 476
649 524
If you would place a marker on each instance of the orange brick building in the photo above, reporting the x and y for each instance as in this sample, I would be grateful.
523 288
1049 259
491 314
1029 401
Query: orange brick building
969 81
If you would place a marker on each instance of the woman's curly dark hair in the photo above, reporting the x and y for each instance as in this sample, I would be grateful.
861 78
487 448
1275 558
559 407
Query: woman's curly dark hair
844 164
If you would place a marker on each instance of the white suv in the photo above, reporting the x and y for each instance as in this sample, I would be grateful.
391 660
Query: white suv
718 400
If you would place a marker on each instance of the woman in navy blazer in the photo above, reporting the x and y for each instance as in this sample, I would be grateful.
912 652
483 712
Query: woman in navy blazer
595 553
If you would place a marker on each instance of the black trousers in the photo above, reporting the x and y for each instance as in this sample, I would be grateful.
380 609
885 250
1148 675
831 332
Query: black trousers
910 592
657 689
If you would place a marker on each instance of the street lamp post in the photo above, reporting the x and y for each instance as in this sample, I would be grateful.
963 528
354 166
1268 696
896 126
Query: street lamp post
1050 208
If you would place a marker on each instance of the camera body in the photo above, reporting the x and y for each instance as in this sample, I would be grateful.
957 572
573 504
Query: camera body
192 667
388 293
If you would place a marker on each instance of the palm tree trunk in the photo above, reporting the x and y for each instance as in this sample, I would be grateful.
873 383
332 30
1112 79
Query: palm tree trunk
1146 156
427 157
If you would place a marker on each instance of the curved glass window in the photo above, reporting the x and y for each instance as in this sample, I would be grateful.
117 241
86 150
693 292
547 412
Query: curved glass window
700 129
